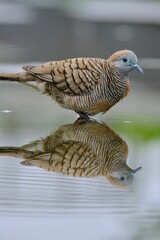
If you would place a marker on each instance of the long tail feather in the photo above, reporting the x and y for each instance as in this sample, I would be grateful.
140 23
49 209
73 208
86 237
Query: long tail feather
15 152
18 77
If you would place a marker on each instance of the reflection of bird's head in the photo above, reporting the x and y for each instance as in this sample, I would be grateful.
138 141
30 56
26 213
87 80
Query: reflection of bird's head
125 61
123 176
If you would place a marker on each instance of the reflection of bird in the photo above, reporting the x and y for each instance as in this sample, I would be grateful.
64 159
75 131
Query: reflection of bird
85 149
86 85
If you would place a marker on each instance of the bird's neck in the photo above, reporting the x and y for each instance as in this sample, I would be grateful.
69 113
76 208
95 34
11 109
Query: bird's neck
117 83
115 72
124 74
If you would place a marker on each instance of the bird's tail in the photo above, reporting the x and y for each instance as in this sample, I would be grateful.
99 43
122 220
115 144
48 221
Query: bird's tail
17 77
17 152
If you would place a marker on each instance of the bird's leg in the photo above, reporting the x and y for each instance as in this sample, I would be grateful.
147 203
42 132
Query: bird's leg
82 117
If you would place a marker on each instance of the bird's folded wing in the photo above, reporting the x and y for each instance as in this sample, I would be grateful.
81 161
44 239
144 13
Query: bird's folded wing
72 76
72 158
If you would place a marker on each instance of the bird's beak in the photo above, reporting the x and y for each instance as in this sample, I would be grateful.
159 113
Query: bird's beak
134 171
136 67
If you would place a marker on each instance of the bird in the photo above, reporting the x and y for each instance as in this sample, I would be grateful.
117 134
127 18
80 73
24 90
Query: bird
87 86
82 149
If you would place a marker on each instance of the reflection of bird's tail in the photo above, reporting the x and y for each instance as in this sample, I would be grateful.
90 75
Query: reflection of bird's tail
15 152
38 163
18 77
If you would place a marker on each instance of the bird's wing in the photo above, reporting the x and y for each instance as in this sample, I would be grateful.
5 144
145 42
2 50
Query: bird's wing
72 76
71 158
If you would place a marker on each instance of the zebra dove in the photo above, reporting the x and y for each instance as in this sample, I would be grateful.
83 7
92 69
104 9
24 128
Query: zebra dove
86 85
82 149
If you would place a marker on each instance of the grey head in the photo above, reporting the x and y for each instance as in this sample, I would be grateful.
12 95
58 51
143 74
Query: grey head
125 61
123 176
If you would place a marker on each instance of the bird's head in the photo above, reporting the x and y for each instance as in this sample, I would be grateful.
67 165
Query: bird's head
123 176
125 61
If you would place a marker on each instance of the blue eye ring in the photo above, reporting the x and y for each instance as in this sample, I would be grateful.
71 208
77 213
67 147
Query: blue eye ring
124 60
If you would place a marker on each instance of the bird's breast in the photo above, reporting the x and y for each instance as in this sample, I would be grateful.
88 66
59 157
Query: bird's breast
98 107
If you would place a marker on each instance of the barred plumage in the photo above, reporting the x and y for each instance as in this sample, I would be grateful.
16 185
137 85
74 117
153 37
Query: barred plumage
85 85
82 149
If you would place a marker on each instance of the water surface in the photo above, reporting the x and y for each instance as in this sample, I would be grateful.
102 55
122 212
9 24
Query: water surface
35 202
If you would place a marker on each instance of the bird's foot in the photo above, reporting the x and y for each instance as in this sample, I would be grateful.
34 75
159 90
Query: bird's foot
82 118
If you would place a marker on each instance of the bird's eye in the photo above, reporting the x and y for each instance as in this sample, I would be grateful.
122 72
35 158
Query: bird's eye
122 178
124 60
